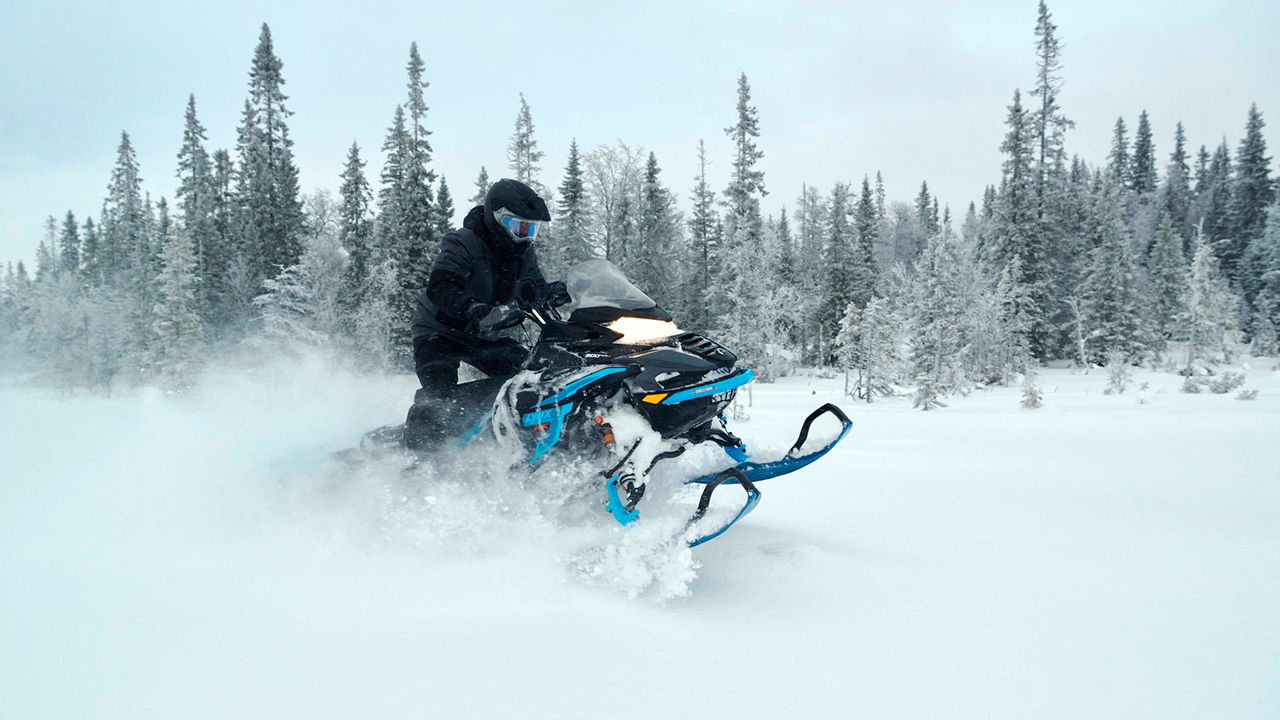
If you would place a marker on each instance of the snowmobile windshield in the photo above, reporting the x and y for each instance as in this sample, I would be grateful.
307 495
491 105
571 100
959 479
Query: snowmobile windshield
599 284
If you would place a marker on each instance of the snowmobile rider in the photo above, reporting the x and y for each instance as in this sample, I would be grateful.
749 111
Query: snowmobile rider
478 267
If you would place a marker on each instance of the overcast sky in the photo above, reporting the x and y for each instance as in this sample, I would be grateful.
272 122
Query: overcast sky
915 90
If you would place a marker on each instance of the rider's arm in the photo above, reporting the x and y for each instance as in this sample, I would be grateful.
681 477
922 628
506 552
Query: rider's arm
447 285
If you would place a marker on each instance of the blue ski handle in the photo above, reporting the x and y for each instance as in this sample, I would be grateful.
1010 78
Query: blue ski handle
808 422
705 501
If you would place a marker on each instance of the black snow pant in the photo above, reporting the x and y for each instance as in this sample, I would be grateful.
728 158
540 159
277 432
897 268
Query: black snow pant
442 408
436 358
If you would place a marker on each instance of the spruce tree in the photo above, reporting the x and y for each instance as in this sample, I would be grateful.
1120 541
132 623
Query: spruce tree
1252 194
573 244
1143 178
198 204
786 271
653 264
880 209
937 335
1176 193
1265 260
839 267
270 221
1254 189
417 216
69 246
1118 160
442 211
123 232
1016 240
1112 303
1209 322
866 230
355 234
1167 268
1048 121
90 255
482 187
176 323
391 212
222 246
927 211
746 186
523 154
1215 218
702 225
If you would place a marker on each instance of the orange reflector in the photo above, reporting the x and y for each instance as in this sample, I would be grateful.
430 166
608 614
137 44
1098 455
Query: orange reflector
543 426
655 398
599 420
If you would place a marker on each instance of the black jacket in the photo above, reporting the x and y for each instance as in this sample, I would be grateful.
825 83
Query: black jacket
474 264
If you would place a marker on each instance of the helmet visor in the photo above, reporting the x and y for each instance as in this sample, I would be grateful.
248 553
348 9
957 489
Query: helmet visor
521 229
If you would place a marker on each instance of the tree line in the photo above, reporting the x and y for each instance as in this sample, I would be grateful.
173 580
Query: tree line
1061 260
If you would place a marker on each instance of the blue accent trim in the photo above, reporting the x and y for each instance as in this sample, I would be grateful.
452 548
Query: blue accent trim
737 452
568 390
476 429
554 418
715 388
753 497
615 505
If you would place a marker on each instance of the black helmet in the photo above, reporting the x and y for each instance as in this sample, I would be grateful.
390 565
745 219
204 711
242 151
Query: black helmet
514 209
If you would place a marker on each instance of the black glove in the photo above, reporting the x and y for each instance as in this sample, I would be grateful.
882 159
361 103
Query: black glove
473 313
556 293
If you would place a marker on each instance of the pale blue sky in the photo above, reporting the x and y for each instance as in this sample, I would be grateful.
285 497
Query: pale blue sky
916 90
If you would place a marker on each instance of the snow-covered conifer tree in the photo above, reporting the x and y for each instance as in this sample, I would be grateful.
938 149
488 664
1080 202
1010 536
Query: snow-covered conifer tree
523 154
743 221
702 250
838 284
69 246
573 241
1213 205
1176 191
1112 301
123 218
90 253
176 324
301 306
937 332
1143 177
1264 260
1167 271
867 346
1209 322
1252 194
482 187
1119 169
653 265
419 240
442 213
1015 230
270 209
195 197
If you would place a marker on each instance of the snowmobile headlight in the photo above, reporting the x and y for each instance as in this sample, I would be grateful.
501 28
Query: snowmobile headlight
636 330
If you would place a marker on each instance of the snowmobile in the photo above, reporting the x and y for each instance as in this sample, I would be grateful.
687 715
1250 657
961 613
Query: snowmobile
616 354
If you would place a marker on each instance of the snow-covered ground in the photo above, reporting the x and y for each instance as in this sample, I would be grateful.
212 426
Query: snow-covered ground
200 557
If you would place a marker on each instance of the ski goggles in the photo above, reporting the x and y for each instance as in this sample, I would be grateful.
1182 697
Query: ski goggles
520 228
